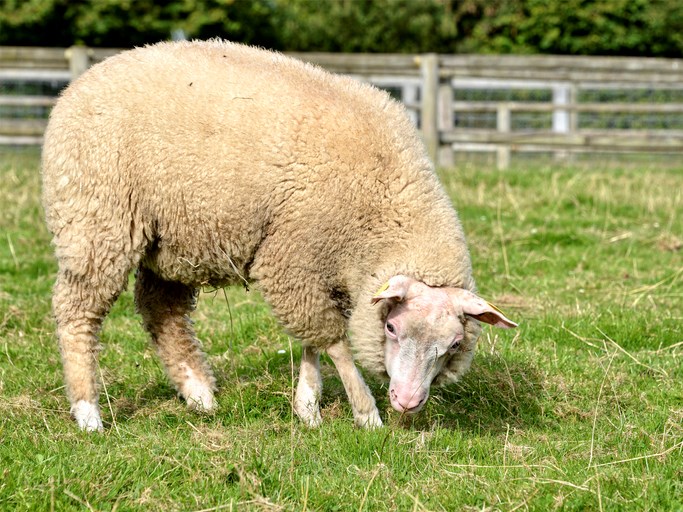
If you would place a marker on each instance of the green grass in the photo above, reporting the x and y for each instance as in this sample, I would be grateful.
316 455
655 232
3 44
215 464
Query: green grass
580 408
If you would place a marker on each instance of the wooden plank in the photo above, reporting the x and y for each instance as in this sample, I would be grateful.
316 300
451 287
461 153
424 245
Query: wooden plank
564 75
563 68
668 141
34 75
523 106
22 127
20 140
32 57
465 82
28 101
99 54
532 148
31 52
561 63
363 63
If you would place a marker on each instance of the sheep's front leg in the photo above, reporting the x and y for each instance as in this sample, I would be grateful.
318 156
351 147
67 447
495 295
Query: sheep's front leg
365 411
309 388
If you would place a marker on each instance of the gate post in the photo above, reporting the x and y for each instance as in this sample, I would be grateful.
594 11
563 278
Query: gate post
79 60
429 66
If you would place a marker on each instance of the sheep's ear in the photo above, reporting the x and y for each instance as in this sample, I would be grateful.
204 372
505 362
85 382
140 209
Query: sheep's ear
476 307
395 288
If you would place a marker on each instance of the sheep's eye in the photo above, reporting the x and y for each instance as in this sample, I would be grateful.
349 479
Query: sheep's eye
390 328
455 346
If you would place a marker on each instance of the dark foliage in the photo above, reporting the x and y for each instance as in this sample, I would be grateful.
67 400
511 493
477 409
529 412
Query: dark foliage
581 27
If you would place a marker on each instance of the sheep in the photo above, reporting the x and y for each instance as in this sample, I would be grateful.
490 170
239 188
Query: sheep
212 163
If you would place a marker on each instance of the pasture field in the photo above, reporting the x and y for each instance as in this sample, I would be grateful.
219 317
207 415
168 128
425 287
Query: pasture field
580 408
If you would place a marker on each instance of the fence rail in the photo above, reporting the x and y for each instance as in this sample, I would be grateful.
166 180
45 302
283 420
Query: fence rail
460 102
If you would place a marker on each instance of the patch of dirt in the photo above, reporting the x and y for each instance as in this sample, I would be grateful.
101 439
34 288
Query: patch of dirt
669 243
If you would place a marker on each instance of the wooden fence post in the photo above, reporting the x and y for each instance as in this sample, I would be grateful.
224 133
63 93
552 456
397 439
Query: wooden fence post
79 60
503 126
409 95
429 66
564 121
446 123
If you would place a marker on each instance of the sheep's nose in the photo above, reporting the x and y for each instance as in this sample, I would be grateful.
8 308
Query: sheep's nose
412 404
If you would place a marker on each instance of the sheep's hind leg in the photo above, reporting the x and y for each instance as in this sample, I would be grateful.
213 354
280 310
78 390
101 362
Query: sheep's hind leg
309 388
365 411
79 308
165 306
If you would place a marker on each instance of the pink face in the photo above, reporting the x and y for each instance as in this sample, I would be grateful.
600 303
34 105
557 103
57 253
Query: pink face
424 328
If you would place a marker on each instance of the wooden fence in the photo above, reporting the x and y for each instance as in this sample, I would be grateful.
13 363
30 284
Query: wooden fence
553 88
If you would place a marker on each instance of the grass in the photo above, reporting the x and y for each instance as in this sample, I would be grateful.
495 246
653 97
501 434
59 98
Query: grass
580 408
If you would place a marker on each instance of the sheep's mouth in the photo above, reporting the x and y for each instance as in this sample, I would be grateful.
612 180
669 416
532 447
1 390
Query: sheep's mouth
410 406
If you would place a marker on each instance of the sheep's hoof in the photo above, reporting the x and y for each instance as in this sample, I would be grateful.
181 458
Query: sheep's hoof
369 420
202 403
308 413
198 395
87 416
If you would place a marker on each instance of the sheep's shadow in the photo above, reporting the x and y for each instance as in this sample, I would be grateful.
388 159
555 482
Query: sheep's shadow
130 402
496 394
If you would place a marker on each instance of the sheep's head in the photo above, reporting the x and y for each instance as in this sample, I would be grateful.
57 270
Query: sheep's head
425 329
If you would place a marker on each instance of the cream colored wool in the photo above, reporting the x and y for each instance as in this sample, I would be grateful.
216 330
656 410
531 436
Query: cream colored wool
209 163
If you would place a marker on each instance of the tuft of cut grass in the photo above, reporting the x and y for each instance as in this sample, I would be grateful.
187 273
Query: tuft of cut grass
580 408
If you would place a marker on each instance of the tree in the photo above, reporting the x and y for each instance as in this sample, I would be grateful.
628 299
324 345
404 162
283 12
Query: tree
580 27
125 23
366 25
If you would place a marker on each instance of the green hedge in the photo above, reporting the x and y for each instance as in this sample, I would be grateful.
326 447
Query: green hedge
582 27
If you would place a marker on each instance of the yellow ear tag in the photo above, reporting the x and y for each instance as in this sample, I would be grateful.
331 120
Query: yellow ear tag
382 289
494 307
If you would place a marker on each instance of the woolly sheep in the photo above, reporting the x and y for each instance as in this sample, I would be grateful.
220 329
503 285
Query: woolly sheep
210 163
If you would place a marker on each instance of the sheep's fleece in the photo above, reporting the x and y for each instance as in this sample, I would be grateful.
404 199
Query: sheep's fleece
211 163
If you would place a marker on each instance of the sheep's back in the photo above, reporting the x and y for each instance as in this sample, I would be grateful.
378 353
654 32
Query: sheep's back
221 144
